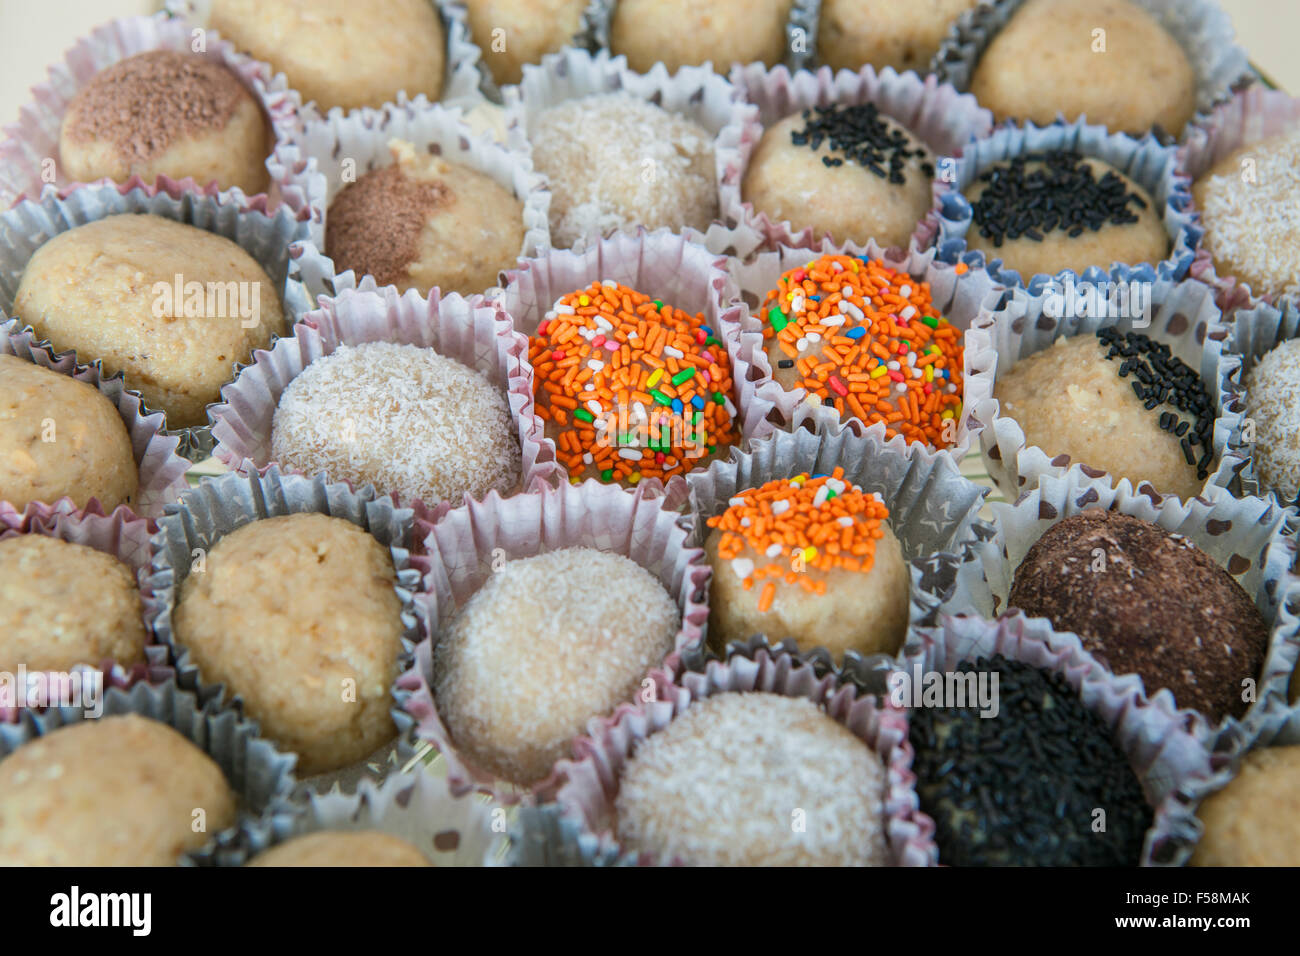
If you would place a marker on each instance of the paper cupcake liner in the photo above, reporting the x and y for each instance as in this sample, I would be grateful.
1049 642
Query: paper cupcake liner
696 93
1145 161
1180 314
586 787
161 469
938 115
966 300
310 171
672 267
266 237
470 331
220 505
1251 538
29 152
1163 753
544 836
260 775
460 550
1252 115
1201 27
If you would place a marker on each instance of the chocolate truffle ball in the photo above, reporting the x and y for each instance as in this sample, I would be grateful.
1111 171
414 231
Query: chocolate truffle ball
342 848
1148 602
681 33
1255 819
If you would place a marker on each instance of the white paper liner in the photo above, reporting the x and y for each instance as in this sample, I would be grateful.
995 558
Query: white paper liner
34 140
965 300
662 264
586 787
695 93
220 505
161 469
1251 538
459 554
1147 162
260 775
935 113
1252 115
1201 27
309 169
1163 753
1180 314
265 237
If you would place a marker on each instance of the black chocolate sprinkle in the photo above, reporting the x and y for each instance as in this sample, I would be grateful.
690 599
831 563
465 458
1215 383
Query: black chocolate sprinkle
863 135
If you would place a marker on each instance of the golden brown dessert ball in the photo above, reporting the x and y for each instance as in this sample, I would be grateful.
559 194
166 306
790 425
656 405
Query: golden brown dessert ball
681 33
885 33
511 33
1255 819
342 848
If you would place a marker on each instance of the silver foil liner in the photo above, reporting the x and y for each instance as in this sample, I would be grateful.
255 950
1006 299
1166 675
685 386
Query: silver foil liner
1162 752
161 469
460 550
265 237
260 775
586 787
1180 314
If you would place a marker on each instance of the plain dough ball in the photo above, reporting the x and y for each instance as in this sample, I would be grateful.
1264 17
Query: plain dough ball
859 612
342 848
885 33
118 791
96 288
339 52
90 456
1042 63
1144 241
297 615
44 630
851 203
532 29
1069 399
681 33
1255 819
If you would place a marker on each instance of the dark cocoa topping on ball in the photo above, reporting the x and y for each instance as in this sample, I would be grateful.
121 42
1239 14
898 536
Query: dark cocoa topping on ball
146 102
373 226
1149 602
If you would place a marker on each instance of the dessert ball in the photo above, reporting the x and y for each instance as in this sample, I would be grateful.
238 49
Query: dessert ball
164 113
849 172
1273 404
342 848
1148 602
545 644
118 791
63 604
629 387
1080 399
1107 59
402 418
721 784
297 615
681 33
172 307
1035 802
809 558
1255 819
1250 208
340 53
1045 212
825 325
614 162
884 33
511 33
424 222
61 437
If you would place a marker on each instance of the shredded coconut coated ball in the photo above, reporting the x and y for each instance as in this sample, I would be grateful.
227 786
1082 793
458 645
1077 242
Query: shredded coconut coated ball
1273 402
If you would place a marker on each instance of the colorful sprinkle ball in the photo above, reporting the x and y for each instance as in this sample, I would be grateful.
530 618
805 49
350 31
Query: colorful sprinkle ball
630 387
864 136
867 341
834 523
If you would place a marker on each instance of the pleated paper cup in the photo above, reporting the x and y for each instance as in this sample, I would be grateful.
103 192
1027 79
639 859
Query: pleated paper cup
260 775
943 119
587 787
1181 315
463 548
544 836
161 469
29 152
